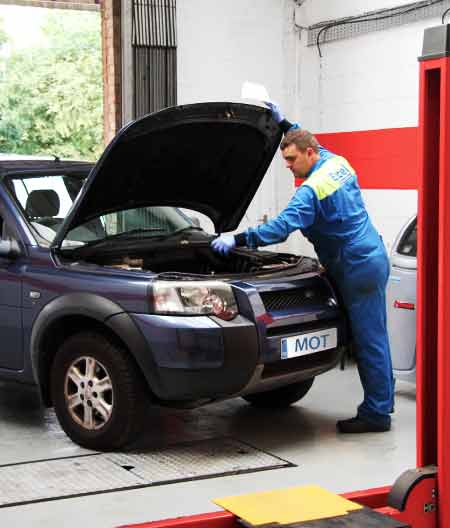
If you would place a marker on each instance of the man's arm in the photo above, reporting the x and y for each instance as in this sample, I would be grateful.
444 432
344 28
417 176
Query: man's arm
278 117
286 126
300 213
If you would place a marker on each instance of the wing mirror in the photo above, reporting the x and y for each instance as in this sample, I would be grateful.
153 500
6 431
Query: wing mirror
9 249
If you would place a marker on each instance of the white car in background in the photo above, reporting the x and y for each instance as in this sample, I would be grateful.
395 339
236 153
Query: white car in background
401 302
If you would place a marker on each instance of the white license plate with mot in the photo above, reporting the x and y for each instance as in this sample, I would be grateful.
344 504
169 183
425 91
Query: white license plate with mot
310 343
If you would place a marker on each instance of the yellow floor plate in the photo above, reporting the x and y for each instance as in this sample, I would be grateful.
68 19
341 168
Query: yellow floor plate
287 506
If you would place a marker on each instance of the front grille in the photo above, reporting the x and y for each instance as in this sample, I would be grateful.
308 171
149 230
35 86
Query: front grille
296 298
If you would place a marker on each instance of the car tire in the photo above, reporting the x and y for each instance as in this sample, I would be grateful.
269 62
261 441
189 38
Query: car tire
98 393
281 397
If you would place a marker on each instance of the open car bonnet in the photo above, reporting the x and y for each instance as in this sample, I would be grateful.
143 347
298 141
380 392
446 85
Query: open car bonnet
208 157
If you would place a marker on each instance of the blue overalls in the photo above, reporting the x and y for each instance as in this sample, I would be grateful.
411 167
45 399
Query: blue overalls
328 209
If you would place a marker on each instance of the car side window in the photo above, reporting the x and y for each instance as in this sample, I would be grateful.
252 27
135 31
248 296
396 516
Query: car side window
408 244
45 199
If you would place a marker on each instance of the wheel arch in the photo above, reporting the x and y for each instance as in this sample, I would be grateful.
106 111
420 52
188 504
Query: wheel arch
68 315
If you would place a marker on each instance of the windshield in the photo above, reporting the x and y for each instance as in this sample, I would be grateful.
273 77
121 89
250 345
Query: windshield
142 221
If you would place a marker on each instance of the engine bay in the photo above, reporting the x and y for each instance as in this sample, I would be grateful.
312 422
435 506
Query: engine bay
194 259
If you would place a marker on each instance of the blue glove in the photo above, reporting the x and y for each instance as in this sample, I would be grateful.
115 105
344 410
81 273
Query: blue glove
276 112
223 244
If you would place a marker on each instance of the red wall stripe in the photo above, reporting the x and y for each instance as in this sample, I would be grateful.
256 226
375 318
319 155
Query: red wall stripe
383 159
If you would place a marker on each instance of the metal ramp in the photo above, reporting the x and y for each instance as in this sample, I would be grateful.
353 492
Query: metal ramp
107 472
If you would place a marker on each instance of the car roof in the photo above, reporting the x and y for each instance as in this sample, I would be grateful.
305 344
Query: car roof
13 163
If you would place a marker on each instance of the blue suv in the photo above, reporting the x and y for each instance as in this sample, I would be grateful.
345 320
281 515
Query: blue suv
112 300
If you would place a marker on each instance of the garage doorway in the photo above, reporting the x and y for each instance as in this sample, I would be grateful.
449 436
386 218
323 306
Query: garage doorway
51 79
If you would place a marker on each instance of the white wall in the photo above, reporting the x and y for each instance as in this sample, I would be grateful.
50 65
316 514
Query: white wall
314 11
221 44
367 82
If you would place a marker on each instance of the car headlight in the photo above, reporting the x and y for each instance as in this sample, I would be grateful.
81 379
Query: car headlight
194 298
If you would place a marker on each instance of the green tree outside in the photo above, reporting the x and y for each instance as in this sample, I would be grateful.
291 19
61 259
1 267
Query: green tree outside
3 35
51 96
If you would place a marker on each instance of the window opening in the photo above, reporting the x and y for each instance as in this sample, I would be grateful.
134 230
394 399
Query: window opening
154 44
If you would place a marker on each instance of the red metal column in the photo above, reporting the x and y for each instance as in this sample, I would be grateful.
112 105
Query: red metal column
427 251
443 319
433 329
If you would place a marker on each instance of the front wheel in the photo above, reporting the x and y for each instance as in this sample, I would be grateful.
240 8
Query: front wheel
281 397
97 391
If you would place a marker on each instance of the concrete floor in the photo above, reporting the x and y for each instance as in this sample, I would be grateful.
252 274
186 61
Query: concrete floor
303 434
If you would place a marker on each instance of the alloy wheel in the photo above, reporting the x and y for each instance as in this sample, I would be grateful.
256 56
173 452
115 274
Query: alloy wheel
88 392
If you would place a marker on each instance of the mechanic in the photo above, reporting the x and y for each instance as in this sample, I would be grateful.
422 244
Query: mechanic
329 211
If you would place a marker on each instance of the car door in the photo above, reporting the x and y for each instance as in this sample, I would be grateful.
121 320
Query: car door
401 298
11 331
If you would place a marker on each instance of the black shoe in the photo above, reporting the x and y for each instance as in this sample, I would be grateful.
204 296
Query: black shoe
358 425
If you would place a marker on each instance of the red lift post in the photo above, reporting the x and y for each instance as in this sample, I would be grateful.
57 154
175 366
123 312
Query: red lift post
419 497
433 316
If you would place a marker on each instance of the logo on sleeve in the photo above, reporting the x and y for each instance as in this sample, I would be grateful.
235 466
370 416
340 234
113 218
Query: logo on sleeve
342 173
330 177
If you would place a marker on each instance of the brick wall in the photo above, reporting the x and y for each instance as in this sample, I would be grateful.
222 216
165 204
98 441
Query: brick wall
112 68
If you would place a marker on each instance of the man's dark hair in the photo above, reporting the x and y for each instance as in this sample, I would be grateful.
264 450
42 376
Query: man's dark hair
302 139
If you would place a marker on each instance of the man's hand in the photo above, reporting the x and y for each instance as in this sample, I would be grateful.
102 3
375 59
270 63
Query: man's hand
276 112
223 244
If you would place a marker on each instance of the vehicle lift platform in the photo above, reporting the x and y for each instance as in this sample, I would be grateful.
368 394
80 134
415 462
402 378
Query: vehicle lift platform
420 498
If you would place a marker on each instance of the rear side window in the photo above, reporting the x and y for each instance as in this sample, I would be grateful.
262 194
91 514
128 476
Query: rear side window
408 242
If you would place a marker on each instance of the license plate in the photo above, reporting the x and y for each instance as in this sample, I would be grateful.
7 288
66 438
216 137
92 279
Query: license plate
304 344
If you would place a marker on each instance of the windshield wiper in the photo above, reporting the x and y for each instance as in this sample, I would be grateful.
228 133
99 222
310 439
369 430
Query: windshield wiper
139 230
136 231
155 229
124 234
187 228
178 231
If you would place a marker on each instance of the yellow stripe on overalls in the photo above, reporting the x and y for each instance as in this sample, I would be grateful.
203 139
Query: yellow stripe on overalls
330 177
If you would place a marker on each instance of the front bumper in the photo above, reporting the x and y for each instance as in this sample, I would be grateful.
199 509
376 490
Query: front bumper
202 358
196 357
